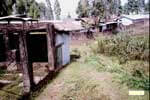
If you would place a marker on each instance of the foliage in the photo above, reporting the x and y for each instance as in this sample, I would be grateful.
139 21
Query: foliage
6 7
147 8
98 8
83 8
42 8
131 55
133 75
141 4
34 10
21 6
2 72
125 47
116 7
57 9
133 6
49 11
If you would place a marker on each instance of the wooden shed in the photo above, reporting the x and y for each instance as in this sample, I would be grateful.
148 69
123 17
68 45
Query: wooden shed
19 44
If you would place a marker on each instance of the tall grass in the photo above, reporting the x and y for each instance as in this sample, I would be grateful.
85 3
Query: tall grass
125 47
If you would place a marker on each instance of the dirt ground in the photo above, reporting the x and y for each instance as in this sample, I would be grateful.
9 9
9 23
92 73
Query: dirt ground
80 81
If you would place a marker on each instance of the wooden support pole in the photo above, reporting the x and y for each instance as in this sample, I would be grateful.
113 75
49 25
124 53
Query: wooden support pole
27 70
51 46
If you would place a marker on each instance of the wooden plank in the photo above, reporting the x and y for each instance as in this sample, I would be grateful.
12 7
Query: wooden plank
51 46
25 64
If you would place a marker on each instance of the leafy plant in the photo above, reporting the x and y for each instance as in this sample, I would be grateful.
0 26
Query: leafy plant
125 47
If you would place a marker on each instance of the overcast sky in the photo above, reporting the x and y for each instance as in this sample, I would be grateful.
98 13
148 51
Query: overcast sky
69 6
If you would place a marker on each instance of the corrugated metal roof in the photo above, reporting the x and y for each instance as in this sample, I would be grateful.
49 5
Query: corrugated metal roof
58 24
136 17
66 25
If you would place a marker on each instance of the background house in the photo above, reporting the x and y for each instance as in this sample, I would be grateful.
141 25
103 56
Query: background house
127 20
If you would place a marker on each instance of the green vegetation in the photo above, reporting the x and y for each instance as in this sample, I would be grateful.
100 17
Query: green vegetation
97 76
6 7
131 54
2 72
125 47
57 9
104 9
49 11
83 8
12 91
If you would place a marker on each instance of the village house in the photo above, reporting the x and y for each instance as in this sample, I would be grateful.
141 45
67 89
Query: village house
129 20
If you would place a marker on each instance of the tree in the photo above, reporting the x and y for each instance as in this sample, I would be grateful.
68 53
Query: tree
98 9
116 7
83 8
49 11
21 6
6 7
133 6
141 4
147 7
42 9
125 9
34 11
57 9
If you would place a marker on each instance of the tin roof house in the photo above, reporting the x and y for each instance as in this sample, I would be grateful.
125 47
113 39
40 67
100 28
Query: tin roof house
127 20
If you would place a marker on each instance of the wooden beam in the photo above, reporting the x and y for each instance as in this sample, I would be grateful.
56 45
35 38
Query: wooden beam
27 70
51 46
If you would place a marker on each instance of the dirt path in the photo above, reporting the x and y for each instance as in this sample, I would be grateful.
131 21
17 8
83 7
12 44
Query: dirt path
80 81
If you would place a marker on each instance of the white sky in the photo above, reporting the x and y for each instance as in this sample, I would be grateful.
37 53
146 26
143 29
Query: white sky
69 6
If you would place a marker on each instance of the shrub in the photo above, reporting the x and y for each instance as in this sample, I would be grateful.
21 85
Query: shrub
125 47
133 55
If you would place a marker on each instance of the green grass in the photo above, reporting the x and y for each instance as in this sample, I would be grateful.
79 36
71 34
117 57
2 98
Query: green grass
2 72
125 47
95 76
11 91
130 56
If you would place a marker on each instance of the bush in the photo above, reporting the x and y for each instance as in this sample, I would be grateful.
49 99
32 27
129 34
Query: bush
133 55
125 47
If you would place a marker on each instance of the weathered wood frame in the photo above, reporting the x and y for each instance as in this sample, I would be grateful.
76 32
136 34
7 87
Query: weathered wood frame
26 65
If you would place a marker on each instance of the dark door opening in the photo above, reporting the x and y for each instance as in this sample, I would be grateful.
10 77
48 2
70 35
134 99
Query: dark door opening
37 47
2 48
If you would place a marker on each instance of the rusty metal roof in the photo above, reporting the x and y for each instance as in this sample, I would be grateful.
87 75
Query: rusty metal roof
59 25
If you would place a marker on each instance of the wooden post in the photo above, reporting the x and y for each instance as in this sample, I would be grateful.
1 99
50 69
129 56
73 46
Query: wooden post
51 46
27 70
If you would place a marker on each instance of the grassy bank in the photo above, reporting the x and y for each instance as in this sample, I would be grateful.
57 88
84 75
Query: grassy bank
131 54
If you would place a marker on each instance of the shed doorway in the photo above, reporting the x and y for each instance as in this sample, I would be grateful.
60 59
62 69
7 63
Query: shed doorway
2 48
37 47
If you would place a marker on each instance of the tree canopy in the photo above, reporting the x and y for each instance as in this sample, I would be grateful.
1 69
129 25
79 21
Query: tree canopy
49 11
83 8
57 9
